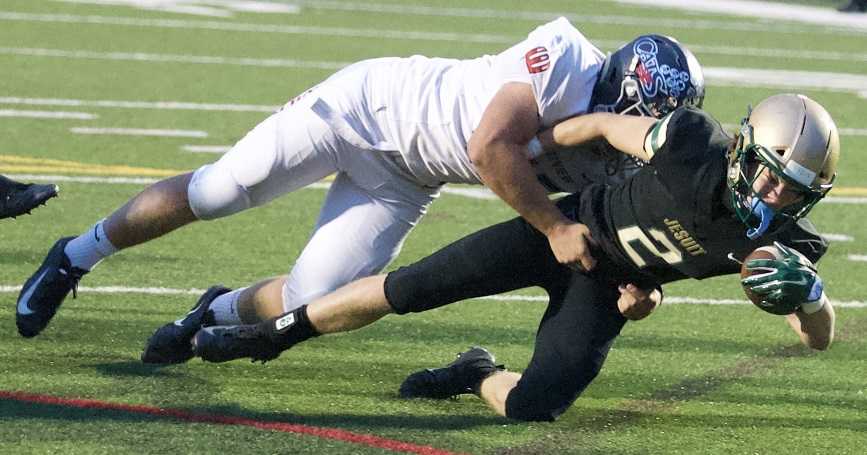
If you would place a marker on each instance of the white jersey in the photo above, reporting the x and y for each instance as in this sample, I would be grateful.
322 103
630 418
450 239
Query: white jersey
423 110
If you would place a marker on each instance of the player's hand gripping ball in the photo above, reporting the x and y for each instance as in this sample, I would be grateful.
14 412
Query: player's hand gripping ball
779 280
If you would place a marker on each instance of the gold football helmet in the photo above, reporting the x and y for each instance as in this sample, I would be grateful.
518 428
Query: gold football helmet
797 140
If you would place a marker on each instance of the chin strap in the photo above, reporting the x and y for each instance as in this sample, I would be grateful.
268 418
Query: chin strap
765 215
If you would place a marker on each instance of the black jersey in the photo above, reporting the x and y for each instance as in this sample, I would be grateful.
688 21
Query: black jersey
672 219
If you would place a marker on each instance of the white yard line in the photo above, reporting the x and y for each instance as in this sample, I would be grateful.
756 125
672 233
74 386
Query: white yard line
182 105
720 76
853 131
139 132
838 237
378 34
417 35
85 179
46 114
788 54
213 8
172 58
113 180
811 80
842 131
772 11
857 257
473 193
499 14
844 200
206 148
669 300
167 105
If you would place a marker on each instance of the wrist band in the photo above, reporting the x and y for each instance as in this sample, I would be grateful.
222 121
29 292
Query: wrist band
814 305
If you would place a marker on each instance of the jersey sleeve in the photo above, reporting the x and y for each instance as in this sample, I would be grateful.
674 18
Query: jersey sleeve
560 65
682 135
804 237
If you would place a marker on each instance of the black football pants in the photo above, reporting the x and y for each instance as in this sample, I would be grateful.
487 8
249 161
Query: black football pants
576 331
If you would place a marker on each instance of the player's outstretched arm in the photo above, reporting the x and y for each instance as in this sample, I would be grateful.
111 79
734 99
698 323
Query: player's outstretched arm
624 132
792 285
816 330
498 150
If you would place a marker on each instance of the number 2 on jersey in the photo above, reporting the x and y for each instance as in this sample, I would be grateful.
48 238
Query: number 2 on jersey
670 253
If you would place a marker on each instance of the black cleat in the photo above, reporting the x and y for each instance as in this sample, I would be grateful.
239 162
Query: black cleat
18 198
171 342
854 6
230 342
43 293
459 377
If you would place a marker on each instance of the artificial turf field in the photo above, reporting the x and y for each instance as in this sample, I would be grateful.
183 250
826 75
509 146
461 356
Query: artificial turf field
692 378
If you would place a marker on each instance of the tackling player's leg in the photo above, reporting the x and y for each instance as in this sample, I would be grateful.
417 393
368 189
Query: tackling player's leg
218 306
171 342
471 267
242 178
157 210
351 307
45 290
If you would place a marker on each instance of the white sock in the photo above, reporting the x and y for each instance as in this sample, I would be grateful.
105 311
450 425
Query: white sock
225 308
86 250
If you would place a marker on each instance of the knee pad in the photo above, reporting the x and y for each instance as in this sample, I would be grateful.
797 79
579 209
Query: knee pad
542 395
214 193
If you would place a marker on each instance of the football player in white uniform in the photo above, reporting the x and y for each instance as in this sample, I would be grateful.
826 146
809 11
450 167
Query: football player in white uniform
393 130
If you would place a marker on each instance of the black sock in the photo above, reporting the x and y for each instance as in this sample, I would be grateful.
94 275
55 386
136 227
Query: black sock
289 328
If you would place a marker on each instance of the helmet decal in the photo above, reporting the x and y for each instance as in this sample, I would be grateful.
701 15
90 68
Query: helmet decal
657 77
651 75
648 66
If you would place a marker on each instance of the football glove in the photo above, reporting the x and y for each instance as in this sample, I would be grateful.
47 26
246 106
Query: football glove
784 284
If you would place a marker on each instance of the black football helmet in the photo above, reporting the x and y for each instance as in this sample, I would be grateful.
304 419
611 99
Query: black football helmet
651 75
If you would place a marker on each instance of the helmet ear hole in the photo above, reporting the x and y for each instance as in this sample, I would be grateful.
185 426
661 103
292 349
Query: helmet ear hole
630 88
781 152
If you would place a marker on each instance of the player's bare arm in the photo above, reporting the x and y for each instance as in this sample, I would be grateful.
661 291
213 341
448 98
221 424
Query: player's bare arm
624 132
497 149
816 330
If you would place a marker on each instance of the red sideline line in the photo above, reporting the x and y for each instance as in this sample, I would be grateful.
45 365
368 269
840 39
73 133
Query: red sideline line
321 432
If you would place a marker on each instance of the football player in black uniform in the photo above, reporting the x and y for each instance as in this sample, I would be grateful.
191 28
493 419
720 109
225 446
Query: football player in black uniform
703 199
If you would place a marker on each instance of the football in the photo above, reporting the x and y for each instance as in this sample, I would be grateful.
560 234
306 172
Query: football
765 252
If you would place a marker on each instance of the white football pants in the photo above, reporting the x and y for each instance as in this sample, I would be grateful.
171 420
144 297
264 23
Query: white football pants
368 212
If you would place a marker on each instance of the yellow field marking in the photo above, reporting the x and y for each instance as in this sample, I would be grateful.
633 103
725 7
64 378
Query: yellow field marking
23 164
848 191
14 164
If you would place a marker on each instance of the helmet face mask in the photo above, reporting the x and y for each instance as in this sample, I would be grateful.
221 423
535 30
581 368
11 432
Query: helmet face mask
800 147
649 76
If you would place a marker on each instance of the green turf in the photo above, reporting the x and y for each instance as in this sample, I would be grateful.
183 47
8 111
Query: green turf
690 379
